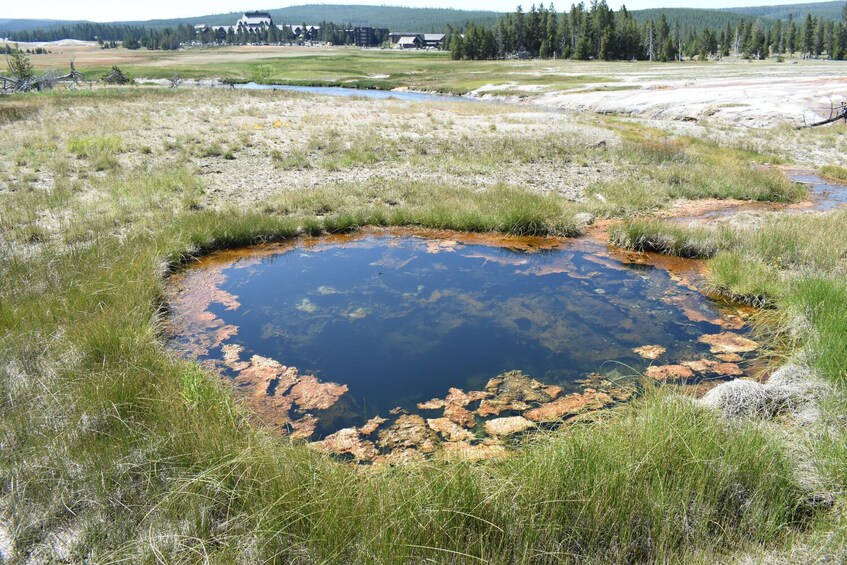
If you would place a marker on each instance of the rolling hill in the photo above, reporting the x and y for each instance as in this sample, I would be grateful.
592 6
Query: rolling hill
826 10
421 20
424 20
691 18
12 25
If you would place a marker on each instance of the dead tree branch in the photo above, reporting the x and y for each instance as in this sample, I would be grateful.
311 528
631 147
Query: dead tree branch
45 81
835 113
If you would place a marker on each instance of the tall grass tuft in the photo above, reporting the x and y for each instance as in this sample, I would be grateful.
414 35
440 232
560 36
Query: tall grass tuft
501 208
836 172
661 237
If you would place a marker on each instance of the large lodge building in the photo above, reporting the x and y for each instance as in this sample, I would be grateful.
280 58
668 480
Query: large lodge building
360 36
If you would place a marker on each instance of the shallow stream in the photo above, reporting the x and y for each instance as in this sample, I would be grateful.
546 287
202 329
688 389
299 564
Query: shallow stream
358 92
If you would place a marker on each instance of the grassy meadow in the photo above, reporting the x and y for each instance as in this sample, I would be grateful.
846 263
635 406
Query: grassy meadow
386 69
114 450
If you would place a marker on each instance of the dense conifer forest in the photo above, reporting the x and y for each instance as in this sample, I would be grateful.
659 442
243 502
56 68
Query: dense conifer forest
598 32
584 32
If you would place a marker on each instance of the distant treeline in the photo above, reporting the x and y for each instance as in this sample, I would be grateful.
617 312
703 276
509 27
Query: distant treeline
12 49
595 32
136 37
87 31
599 32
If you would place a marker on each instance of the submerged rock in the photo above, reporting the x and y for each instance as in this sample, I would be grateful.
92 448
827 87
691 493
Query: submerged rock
727 370
462 398
714 367
371 425
728 342
455 396
307 306
449 429
304 427
700 366
434 404
621 394
669 372
507 426
454 405
348 441
570 405
514 391
460 415
472 452
311 394
496 406
410 431
399 457
264 375
273 411
649 351
729 357
440 245
232 357
358 313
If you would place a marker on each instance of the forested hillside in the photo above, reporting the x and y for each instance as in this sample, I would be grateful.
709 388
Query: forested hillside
10 25
825 10
419 20
595 32
691 18
602 33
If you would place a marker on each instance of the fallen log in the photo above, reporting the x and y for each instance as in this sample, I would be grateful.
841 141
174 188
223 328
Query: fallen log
835 114
45 81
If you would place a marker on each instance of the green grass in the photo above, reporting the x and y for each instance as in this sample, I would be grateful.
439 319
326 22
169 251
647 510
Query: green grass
147 444
667 167
17 110
101 150
660 237
501 208
753 265
89 146
470 154
796 265
144 457
796 262
836 172
350 68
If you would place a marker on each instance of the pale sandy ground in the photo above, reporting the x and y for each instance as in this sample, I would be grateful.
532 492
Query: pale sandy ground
732 91
256 125
737 93
7 549
752 102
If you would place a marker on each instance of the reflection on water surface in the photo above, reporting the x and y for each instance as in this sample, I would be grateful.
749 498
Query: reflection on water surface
332 333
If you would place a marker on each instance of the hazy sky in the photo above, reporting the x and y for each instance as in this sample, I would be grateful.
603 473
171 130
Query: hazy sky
111 10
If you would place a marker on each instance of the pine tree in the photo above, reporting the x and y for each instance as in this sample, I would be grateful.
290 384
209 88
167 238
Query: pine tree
563 46
651 43
808 35
520 30
20 67
552 32
791 45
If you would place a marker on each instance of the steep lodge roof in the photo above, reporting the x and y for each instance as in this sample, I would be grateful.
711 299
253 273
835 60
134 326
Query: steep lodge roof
255 19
